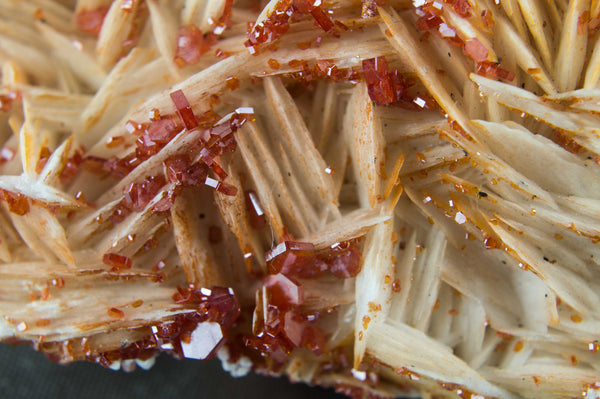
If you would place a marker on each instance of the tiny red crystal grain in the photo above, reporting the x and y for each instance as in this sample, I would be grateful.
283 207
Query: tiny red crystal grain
184 110
256 214
232 83
116 261
116 313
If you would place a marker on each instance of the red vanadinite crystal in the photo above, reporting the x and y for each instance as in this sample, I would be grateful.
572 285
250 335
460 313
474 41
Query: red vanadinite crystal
314 339
270 29
204 341
299 259
488 19
120 168
256 214
494 71
461 7
197 334
293 258
322 18
475 50
274 64
379 84
71 168
184 110
343 260
449 34
115 141
401 85
162 130
137 195
90 21
116 313
116 261
283 326
195 175
135 128
176 167
428 21
226 189
283 292
222 306
191 45
179 169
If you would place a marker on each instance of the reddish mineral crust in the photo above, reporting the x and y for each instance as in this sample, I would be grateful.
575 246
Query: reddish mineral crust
292 314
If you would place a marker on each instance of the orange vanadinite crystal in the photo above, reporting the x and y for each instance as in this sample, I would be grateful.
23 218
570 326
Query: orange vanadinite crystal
116 313
116 261
256 214
17 202
232 83
274 64
494 71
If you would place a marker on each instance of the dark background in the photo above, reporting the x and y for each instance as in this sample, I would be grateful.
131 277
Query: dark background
27 374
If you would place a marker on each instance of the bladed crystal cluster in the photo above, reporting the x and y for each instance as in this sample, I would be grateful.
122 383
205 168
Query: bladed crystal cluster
388 197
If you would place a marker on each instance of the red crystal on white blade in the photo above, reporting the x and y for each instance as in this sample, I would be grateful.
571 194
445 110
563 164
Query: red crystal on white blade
205 340
283 291
184 110
475 50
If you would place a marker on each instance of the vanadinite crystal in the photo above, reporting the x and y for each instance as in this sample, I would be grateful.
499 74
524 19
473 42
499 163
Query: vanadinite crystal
291 258
204 341
283 291
283 326
137 195
191 45
196 334
17 202
300 259
184 110
221 306
475 50
256 214
118 262
494 71
379 84
343 260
